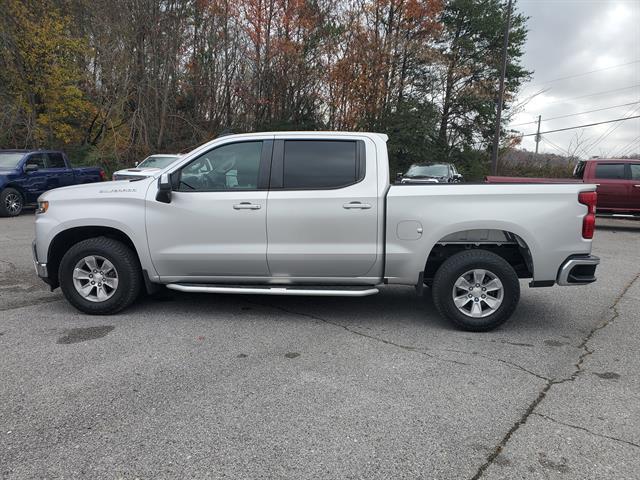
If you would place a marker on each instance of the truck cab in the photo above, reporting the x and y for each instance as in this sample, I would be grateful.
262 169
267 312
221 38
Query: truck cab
618 182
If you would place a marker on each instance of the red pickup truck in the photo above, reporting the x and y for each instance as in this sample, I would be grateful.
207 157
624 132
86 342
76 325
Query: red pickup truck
618 182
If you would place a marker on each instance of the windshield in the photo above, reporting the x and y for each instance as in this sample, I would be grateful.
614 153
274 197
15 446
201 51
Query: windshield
436 170
10 159
158 162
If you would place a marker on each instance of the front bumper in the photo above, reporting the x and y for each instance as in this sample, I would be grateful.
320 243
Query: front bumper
578 270
41 268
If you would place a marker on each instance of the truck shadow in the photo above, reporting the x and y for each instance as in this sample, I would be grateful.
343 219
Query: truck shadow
393 307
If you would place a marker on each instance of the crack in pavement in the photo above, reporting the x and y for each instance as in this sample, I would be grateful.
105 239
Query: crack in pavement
501 360
408 348
551 382
12 265
32 304
577 427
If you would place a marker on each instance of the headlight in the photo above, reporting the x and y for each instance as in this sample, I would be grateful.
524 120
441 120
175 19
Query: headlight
42 207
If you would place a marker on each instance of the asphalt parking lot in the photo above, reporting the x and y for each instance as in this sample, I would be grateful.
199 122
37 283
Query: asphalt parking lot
212 386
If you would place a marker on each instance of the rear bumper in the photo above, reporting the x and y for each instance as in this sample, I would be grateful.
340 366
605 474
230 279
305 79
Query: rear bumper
578 270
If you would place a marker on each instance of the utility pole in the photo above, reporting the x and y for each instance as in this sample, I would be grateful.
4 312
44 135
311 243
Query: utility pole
496 138
538 134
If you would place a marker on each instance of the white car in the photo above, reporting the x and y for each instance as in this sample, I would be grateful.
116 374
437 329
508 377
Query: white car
312 213
150 166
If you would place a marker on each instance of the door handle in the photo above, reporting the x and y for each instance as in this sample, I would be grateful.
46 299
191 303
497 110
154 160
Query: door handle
356 205
637 186
247 206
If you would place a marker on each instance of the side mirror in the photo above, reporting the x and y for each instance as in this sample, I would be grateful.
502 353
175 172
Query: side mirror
399 176
458 177
30 167
135 164
164 189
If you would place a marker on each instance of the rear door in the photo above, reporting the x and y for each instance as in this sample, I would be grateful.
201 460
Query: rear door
613 187
634 170
322 215
57 172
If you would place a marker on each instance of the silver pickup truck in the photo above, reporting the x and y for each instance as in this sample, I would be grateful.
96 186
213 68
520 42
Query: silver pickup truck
311 213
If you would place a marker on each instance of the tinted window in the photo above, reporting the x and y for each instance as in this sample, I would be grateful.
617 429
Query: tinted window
319 164
635 171
56 160
37 159
229 167
610 170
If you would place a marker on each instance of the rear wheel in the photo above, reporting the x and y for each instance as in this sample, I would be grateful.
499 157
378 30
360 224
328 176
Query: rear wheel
11 202
100 276
477 290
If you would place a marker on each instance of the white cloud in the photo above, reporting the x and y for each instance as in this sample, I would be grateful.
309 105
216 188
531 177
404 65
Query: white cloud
567 38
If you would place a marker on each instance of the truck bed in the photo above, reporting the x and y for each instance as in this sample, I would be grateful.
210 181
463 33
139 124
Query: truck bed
498 179
546 217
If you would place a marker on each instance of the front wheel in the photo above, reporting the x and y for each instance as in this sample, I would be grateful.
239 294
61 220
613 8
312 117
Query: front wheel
477 290
100 276
11 203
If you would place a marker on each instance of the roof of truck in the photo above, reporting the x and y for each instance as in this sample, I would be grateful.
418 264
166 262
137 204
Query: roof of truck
26 150
610 160
312 133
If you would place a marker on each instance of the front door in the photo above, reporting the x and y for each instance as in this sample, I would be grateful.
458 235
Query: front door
322 214
35 182
215 224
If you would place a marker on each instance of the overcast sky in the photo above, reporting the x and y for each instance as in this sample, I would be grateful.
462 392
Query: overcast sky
572 37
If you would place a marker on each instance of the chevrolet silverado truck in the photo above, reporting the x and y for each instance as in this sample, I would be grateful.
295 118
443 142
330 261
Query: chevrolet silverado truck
311 213
617 181
26 174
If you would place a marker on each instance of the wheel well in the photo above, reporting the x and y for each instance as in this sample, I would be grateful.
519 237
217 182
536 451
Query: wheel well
506 244
18 188
68 238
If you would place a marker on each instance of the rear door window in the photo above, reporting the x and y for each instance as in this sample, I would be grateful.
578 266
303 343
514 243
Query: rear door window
635 171
55 160
613 171
321 164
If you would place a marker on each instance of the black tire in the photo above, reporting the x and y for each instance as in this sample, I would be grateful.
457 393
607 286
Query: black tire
126 265
454 268
11 202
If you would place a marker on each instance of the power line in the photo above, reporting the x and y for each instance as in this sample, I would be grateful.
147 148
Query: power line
595 94
575 114
581 126
584 73
628 148
554 145
609 131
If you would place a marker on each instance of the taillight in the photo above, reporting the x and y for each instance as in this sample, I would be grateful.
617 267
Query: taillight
103 176
589 221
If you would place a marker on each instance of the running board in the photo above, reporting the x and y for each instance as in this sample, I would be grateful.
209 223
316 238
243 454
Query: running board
314 292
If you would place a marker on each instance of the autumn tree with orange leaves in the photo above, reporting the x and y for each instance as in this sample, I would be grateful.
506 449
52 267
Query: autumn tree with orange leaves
128 78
